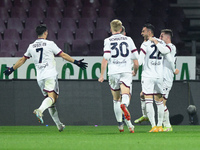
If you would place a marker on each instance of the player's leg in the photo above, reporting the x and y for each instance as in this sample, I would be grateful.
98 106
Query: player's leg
47 102
144 112
115 90
159 102
124 106
148 89
160 110
166 121
117 109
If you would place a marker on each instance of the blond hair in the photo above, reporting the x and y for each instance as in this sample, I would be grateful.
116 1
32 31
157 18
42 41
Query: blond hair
116 25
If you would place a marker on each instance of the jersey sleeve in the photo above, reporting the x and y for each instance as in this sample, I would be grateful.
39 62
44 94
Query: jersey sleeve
55 49
133 49
106 49
164 49
169 58
27 53
142 55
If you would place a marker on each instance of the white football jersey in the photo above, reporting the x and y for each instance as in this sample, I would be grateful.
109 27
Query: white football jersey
152 60
42 51
122 52
168 72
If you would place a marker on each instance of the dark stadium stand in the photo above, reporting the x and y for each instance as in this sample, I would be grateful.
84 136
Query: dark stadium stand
82 25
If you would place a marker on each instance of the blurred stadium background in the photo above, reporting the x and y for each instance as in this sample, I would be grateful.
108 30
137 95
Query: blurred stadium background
80 26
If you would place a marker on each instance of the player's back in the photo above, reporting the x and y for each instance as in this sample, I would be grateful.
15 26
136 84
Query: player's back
121 48
153 61
42 51
168 73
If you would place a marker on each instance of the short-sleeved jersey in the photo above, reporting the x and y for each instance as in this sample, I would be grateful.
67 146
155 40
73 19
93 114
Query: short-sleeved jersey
42 51
168 72
153 60
123 51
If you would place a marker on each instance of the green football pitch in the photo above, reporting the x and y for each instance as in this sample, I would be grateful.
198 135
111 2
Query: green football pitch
97 138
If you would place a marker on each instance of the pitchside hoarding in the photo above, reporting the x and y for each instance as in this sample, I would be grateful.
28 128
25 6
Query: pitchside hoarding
66 70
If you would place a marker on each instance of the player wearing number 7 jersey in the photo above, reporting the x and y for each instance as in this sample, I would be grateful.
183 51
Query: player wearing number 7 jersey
42 52
120 53
152 75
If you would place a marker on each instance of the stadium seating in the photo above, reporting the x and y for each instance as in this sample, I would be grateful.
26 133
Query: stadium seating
83 34
66 35
11 34
9 47
2 26
19 12
71 12
75 3
36 12
52 24
85 21
22 4
4 13
79 48
6 4
68 24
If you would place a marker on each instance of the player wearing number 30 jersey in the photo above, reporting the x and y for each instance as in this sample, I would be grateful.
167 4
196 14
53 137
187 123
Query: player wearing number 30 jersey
121 50
120 54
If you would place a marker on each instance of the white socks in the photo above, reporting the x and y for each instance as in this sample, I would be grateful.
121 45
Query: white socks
54 114
160 109
117 110
166 121
125 99
150 111
143 107
47 102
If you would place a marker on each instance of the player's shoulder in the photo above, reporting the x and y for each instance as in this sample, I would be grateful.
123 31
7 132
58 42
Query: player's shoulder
172 46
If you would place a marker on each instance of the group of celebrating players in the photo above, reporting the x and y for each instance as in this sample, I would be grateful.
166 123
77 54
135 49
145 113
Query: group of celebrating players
157 56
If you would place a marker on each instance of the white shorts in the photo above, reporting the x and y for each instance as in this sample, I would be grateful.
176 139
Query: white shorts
49 85
166 88
121 78
152 86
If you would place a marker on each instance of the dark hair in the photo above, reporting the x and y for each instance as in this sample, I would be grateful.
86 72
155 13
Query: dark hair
150 27
123 29
41 29
168 31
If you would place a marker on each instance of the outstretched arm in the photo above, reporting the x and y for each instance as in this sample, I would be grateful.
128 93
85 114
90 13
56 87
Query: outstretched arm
18 64
103 69
79 63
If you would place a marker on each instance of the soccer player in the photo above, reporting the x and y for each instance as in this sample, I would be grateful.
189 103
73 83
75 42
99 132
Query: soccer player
169 71
166 36
119 53
152 75
42 51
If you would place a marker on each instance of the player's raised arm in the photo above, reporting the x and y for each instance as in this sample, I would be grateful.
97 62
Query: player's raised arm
80 63
18 64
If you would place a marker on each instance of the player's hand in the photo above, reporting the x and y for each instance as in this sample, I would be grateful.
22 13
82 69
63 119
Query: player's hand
176 71
8 71
81 64
101 79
